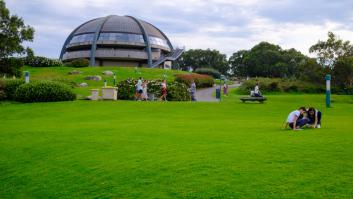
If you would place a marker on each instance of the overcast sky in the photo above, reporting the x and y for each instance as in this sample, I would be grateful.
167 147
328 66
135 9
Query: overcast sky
225 25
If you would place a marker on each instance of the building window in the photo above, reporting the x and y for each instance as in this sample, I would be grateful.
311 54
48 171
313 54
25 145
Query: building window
82 38
122 37
159 41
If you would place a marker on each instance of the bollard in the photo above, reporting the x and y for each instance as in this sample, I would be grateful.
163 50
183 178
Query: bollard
328 91
27 77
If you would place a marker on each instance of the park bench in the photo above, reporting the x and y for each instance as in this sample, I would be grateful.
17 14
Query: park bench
253 99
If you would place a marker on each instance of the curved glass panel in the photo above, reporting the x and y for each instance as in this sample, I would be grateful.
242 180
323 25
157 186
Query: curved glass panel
122 37
159 41
82 38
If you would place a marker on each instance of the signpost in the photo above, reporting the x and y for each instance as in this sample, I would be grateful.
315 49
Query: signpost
27 77
328 91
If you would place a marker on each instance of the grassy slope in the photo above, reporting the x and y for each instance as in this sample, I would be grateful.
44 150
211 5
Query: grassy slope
174 150
61 74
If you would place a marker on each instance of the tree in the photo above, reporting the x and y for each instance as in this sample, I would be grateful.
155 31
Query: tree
237 65
13 32
329 51
343 72
266 60
198 58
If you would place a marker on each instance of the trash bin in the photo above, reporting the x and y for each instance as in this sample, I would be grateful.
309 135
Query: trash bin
218 93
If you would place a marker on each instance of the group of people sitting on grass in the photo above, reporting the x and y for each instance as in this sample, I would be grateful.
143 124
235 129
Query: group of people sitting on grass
141 90
310 118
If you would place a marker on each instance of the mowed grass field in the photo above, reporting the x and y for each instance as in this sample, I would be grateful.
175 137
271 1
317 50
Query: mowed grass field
122 149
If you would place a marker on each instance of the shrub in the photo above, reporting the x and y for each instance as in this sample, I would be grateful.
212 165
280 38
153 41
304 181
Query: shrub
2 88
38 61
201 81
11 85
44 91
11 66
126 89
209 71
178 92
280 85
78 63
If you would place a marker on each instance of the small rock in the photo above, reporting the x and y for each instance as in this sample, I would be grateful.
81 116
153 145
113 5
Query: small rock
108 72
75 72
95 78
84 84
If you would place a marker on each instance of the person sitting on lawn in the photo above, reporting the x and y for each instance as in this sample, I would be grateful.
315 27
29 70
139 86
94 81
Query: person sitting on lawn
294 119
314 117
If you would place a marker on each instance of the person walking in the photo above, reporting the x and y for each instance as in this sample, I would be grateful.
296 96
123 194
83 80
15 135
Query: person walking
225 89
164 91
144 90
139 89
193 90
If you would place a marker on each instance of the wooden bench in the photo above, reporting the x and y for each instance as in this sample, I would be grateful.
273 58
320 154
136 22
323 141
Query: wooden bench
253 99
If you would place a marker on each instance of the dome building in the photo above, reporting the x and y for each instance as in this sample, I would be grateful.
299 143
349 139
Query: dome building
120 41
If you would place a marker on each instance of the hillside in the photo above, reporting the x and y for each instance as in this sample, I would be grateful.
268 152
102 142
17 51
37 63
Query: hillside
62 74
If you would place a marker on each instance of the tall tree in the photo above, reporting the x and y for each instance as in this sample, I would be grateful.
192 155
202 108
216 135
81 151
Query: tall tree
198 58
13 32
329 51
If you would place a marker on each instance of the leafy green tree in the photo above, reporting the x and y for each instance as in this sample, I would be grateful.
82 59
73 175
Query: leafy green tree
198 58
13 32
237 64
343 72
329 51
266 60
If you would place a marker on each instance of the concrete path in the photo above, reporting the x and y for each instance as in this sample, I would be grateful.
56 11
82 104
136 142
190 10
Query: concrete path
206 94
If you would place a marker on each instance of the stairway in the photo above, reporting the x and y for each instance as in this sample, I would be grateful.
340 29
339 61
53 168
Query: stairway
172 56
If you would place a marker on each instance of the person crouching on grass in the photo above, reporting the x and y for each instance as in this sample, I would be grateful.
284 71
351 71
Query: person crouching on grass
314 117
295 119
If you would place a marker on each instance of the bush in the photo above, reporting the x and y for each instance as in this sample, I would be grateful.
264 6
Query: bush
201 81
209 71
11 85
126 89
11 67
178 92
38 61
44 91
175 91
78 63
280 85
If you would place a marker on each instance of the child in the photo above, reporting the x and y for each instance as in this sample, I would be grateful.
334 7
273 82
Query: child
314 117
294 121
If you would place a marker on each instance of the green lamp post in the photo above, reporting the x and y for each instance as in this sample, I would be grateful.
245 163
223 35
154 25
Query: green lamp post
328 91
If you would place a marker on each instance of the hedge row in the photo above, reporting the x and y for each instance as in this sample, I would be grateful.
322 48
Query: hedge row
209 71
11 67
37 91
280 85
201 81
38 61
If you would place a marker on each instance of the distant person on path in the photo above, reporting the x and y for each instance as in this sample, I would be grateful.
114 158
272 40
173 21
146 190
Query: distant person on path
225 89
314 117
144 90
164 91
193 90
295 120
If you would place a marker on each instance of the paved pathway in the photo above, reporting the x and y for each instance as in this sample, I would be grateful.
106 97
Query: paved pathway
206 94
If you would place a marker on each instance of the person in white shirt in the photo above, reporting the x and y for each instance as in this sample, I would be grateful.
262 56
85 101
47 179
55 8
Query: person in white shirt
257 92
295 120
139 89
164 91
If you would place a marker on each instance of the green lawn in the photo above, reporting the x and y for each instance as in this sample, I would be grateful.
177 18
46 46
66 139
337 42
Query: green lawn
122 73
123 149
